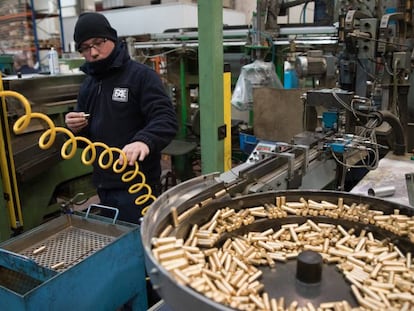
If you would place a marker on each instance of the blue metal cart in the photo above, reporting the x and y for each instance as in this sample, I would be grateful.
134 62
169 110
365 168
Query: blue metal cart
74 262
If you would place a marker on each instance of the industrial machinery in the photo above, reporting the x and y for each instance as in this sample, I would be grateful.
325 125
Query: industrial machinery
70 251
217 249
358 107
364 49
198 236
325 154
36 183
367 57
234 240
372 57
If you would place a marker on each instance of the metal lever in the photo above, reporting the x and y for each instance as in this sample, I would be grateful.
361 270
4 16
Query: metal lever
66 206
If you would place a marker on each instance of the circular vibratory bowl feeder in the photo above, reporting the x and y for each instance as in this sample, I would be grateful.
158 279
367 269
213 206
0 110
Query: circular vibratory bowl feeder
279 251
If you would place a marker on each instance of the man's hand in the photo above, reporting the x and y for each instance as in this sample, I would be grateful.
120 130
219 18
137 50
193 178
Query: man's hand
134 151
76 121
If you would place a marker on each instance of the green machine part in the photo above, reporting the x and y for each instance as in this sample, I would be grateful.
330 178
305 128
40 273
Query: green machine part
42 181
39 195
6 64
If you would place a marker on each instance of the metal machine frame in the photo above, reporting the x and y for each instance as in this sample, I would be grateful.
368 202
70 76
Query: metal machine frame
39 181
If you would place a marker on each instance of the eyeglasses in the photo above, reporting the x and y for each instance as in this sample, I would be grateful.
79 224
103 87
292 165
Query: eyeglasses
96 44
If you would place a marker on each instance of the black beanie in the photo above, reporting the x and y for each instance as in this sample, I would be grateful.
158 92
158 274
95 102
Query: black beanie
93 25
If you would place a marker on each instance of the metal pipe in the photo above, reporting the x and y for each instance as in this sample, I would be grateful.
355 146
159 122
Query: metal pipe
242 33
62 33
35 35
308 30
385 191
183 89
194 44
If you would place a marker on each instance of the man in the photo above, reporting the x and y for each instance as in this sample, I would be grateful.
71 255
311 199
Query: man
21 64
123 104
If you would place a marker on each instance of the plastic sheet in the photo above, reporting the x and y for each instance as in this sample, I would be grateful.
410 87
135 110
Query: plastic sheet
256 74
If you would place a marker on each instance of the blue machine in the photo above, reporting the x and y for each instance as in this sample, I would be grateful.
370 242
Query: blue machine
73 263
330 120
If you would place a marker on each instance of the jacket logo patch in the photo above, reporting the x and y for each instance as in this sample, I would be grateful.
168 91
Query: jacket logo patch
120 95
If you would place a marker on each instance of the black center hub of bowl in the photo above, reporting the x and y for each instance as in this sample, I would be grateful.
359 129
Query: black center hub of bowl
309 267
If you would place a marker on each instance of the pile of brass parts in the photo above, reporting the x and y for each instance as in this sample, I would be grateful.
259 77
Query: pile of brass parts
224 266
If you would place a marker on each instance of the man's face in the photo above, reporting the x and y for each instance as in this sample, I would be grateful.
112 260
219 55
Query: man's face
95 49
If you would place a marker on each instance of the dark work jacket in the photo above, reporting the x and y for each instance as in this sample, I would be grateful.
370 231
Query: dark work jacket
127 102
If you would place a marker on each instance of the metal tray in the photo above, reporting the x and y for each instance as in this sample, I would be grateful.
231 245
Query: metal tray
81 260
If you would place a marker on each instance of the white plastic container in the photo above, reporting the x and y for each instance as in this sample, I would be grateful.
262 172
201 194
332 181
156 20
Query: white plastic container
53 62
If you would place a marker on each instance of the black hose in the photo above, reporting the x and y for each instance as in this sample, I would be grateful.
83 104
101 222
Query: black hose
397 129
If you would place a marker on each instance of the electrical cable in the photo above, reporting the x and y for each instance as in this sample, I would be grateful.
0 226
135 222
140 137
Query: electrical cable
387 69
364 141
371 166
88 155
394 44
349 107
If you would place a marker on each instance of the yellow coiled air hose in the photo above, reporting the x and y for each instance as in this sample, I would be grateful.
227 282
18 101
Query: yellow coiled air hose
88 155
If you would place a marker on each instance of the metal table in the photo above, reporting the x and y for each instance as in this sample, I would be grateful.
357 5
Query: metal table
390 172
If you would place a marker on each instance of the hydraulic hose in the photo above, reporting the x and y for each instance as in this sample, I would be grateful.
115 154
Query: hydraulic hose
397 128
